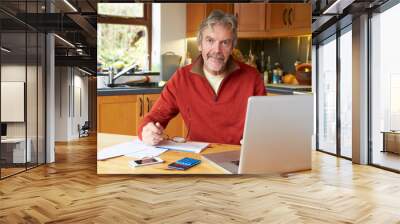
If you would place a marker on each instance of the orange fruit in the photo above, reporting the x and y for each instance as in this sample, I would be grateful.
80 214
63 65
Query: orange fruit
288 78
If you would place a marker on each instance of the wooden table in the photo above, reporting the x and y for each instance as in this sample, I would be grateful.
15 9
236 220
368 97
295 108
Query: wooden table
391 141
119 165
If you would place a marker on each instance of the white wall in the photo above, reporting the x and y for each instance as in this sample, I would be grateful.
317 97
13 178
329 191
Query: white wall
80 109
173 28
62 81
12 73
71 94
156 37
169 32
33 127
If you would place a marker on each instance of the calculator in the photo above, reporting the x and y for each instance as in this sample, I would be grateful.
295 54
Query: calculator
184 164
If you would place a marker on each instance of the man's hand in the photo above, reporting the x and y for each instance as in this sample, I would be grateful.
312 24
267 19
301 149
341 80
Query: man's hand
152 133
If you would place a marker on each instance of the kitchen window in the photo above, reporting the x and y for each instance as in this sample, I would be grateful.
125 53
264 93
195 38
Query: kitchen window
124 35
123 10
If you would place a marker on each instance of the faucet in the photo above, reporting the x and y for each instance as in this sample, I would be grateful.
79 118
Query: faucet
112 77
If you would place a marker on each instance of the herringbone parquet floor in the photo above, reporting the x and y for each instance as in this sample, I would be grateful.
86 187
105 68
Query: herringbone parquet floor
70 191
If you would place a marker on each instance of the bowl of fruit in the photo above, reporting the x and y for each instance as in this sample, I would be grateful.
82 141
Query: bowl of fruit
303 73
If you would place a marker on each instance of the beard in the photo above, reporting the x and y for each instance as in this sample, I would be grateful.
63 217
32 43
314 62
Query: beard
216 56
216 61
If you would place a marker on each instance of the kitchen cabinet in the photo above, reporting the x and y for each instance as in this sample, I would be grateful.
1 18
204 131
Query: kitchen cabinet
197 12
259 20
176 126
121 114
278 14
248 17
289 19
302 17
194 15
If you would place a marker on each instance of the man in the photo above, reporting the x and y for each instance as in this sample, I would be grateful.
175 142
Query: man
211 94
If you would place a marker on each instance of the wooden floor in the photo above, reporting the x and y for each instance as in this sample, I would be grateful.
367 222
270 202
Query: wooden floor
70 191
386 159
5 172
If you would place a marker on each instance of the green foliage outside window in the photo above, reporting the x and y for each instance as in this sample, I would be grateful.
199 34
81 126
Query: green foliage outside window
121 9
122 45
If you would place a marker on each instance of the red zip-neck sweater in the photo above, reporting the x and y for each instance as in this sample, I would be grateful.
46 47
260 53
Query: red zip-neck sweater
209 117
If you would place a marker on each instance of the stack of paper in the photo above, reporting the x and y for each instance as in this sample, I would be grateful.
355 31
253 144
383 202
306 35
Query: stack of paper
134 148
195 147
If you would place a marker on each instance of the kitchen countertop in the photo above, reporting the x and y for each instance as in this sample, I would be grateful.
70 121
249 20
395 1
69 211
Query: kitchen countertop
288 89
128 90
271 88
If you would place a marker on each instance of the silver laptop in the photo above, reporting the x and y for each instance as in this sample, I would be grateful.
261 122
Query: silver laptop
277 137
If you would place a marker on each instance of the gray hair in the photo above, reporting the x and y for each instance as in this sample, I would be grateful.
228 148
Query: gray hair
218 17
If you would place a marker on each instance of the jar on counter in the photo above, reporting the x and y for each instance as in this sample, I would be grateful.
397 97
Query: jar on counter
265 77
277 76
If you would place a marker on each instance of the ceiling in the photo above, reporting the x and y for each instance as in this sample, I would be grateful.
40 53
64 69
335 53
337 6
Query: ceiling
76 22
76 25
328 12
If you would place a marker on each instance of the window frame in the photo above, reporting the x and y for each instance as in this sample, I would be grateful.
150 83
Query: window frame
371 13
332 34
146 21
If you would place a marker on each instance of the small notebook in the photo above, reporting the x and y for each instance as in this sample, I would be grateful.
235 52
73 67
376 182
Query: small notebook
195 147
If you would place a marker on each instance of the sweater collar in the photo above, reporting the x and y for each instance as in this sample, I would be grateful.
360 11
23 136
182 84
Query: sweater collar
197 66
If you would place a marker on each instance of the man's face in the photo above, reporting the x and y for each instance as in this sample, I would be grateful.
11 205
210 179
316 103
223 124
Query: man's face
215 47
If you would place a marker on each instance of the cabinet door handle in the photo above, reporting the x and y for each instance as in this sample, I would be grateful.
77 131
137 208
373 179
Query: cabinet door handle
141 107
284 17
148 104
290 16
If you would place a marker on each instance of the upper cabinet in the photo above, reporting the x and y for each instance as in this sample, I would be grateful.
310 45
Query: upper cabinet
248 17
289 19
197 12
257 20
279 17
301 17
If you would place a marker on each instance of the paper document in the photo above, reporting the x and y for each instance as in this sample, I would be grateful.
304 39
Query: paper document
133 148
149 152
195 147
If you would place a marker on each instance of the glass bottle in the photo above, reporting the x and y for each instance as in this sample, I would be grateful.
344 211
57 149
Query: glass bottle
268 71
262 62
